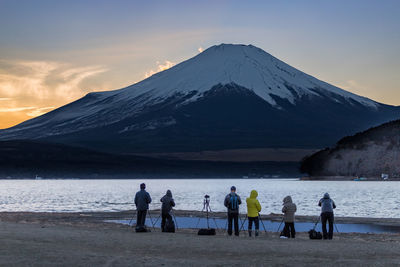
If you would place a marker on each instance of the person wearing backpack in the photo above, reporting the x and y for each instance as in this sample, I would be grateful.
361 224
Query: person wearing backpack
142 201
232 202
327 206
166 207
289 209
253 210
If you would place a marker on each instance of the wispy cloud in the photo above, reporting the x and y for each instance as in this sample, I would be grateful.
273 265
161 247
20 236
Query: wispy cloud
160 67
39 111
16 109
351 85
44 80
28 87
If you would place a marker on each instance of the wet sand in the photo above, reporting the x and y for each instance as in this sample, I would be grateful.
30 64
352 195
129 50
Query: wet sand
84 239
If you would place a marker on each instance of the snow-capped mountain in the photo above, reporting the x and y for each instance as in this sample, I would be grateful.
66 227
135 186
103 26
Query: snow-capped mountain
229 96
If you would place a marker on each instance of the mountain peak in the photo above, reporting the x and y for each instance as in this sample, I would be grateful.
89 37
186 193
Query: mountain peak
245 65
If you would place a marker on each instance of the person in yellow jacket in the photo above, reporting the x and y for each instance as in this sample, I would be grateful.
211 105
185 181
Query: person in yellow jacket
253 209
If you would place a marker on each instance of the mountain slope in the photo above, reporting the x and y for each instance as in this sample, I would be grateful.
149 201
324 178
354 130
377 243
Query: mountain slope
229 96
369 153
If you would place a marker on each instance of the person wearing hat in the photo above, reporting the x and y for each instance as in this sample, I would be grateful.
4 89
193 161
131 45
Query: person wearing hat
232 202
327 206
142 201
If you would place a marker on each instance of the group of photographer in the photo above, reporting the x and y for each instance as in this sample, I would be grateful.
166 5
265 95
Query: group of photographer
232 202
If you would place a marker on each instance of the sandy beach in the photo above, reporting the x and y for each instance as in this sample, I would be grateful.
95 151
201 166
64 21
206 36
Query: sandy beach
84 239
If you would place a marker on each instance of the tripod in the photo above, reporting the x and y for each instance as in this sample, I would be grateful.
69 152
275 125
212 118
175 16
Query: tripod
207 209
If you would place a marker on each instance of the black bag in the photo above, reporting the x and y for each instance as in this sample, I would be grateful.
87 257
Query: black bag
209 231
141 229
169 226
314 234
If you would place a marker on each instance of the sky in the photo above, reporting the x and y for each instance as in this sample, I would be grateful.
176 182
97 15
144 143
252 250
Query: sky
54 52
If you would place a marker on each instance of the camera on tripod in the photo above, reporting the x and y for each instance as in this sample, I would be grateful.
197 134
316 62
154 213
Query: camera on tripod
207 209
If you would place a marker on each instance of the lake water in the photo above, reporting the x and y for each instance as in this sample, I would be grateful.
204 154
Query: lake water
358 199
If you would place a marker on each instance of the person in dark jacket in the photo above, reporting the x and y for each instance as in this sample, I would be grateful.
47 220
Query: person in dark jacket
167 204
232 202
142 201
327 205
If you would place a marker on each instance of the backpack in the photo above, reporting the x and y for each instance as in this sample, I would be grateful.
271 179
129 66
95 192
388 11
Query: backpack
169 226
314 234
234 203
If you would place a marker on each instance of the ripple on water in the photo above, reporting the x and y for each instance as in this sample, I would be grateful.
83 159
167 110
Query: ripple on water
364 199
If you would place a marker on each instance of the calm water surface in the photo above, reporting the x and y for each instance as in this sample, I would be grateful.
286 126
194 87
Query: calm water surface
358 199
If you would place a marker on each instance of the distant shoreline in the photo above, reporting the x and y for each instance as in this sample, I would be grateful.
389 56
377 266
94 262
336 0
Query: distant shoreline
345 178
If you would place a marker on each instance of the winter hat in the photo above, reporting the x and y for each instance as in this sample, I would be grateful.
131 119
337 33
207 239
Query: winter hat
233 188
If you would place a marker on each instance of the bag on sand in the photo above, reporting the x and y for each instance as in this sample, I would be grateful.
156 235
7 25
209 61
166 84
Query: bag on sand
314 234
209 231
169 226
141 229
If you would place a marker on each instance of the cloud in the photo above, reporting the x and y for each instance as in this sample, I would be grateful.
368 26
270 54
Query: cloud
160 67
351 85
16 109
200 49
32 88
39 111
42 80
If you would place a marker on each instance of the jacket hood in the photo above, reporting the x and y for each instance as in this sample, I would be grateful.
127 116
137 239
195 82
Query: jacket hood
287 199
168 194
326 195
253 194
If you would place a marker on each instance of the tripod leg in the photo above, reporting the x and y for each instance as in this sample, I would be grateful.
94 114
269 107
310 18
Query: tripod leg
151 219
176 222
259 217
199 218
336 227
130 222
243 222
156 220
315 226
279 227
215 222
226 225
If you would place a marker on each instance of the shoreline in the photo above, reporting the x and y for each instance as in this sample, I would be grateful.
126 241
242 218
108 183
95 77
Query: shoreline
347 178
101 217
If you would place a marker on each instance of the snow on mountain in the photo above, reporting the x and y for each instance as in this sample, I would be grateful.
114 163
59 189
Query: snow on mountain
168 104
244 65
